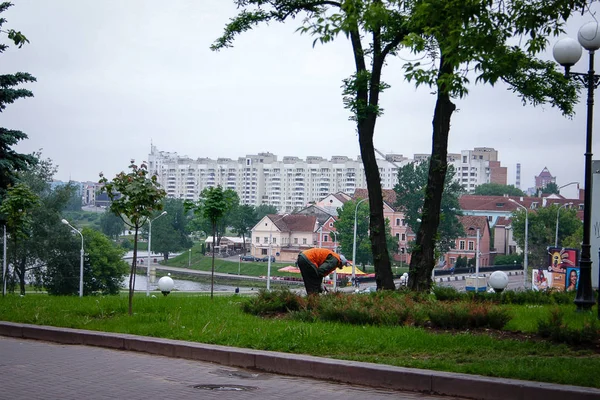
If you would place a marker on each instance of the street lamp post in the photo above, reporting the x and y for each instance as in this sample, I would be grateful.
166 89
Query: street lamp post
149 251
64 221
354 241
567 52
557 214
335 251
526 241
189 258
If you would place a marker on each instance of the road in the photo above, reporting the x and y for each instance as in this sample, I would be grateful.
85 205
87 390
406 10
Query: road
41 370
515 280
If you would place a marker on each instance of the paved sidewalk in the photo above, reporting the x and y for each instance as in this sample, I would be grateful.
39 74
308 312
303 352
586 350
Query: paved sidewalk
42 370
77 368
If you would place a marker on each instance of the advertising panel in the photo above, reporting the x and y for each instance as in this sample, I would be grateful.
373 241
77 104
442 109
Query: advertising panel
562 272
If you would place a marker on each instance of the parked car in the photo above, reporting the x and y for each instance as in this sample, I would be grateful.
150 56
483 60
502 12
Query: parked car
266 259
247 258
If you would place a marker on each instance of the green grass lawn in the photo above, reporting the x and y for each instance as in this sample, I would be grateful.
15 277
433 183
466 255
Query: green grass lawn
221 321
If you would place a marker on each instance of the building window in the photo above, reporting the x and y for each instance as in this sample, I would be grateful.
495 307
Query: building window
461 245
404 237
397 221
331 224
471 245
303 240
257 239
295 240
452 260
326 238
397 236
266 241
274 240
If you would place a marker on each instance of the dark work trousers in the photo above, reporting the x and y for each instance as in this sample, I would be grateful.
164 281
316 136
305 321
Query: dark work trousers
312 281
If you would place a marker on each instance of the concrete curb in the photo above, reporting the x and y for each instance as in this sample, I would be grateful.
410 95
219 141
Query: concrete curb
359 373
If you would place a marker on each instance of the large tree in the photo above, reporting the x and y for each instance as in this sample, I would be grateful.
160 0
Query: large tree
111 225
465 38
344 226
44 231
375 29
542 231
264 210
169 233
11 161
16 210
410 193
134 196
458 36
244 219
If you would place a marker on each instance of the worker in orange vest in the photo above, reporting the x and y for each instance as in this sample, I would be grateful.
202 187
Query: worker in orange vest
317 263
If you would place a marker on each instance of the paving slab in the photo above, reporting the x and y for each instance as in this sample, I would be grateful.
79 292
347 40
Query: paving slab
330 370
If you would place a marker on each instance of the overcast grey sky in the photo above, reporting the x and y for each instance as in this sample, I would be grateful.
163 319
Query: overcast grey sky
114 75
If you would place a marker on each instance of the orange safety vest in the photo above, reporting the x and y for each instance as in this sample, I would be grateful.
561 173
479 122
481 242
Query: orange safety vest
317 256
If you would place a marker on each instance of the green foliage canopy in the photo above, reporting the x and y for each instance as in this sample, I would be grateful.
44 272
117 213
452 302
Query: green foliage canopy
410 195
11 161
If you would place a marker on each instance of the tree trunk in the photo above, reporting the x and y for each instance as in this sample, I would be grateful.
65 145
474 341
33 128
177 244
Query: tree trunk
133 270
423 256
367 98
381 257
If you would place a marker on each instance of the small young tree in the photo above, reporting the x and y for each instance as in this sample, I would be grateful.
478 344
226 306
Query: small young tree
134 197
213 204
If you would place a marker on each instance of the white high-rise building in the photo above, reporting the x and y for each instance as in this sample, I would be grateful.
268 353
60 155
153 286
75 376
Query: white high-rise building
258 179
292 183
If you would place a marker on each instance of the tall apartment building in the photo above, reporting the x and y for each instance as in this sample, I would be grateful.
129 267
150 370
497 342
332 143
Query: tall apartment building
292 183
258 179
478 166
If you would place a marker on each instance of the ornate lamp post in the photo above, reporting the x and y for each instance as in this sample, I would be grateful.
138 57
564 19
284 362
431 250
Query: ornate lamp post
567 52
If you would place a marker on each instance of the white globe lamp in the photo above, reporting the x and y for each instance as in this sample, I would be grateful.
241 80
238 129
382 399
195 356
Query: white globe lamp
166 284
498 280
589 37
567 52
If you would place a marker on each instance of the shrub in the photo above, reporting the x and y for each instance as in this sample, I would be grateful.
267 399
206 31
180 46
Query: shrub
280 300
556 330
461 315
447 293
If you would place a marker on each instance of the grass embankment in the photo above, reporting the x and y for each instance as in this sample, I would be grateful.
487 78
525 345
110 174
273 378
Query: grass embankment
221 321
196 260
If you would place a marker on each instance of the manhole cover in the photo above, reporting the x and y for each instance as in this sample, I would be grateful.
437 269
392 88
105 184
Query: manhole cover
225 388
